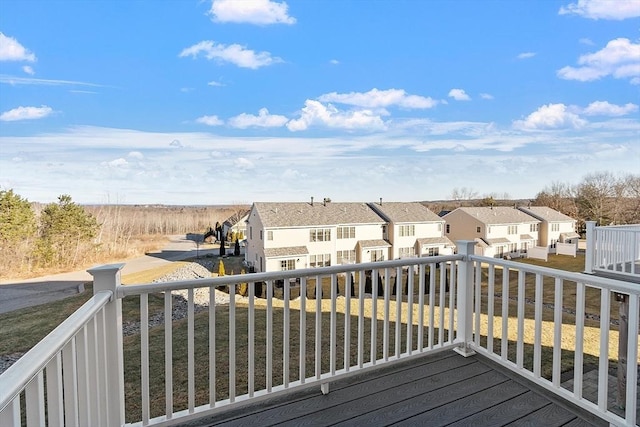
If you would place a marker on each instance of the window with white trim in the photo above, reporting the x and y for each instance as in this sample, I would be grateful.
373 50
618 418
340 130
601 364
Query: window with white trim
346 233
433 251
269 235
346 256
553 243
407 230
288 264
321 260
407 252
534 227
512 229
555 226
320 235
377 255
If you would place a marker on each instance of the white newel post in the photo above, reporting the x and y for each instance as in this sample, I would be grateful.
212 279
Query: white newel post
465 298
591 247
107 278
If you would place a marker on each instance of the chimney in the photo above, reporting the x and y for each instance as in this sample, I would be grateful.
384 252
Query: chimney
380 201
311 200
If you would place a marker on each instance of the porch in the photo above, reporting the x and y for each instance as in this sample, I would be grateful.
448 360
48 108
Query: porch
431 326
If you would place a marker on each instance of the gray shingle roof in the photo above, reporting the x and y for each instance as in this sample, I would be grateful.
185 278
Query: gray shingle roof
289 251
435 241
274 214
375 243
546 214
400 212
497 215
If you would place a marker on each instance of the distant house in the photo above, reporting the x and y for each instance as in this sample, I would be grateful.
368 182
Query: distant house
413 230
554 226
287 236
236 224
498 231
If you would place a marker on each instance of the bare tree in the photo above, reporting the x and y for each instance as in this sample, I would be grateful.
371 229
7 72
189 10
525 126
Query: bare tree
463 193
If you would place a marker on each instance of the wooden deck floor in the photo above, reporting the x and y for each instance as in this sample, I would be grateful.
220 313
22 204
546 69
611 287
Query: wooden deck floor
435 390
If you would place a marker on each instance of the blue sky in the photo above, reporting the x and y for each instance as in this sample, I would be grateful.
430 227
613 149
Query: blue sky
227 101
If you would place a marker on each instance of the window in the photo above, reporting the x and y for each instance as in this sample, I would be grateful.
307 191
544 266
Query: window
439 226
499 251
553 243
512 229
407 230
269 235
533 227
346 256
478 229
433 251
322 260
320 235
555 227
346 233
407 252
261 234
448 227
288 264
513 247
525 247
377 255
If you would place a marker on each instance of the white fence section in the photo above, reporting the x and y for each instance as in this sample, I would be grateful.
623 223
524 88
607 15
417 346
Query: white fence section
538 252
613 249
310 327
566 249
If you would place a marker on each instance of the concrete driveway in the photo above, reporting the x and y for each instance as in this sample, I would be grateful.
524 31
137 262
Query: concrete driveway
15 295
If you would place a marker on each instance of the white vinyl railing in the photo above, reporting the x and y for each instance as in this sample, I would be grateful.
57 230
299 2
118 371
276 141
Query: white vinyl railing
511 329
613 249
309 327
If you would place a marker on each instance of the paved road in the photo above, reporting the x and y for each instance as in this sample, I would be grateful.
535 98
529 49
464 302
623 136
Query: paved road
26 293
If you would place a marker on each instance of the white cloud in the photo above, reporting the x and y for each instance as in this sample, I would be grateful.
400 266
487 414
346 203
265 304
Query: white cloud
551 116
243 163
12 80
26 113
587 41
459 95
210 120
28 69
136 155
259 12
234 54
116 163
12 50
316 113
526 55
379 99
604 108
486 96
619 59
263 119
603 9
334 62
215 83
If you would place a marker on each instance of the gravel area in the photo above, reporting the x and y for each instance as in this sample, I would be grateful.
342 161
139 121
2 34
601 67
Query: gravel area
193 270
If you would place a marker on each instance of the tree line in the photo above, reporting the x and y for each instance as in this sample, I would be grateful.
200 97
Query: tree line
600 196
65 235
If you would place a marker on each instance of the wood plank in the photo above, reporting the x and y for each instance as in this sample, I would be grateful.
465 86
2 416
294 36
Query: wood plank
579 422
366 384
552 414
507 411
467 406
393 409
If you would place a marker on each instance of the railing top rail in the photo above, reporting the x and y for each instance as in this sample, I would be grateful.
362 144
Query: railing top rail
603 282
626 227
127 290
27 367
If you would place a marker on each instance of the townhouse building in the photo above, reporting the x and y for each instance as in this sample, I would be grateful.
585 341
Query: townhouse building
287 236
555 227
498 231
